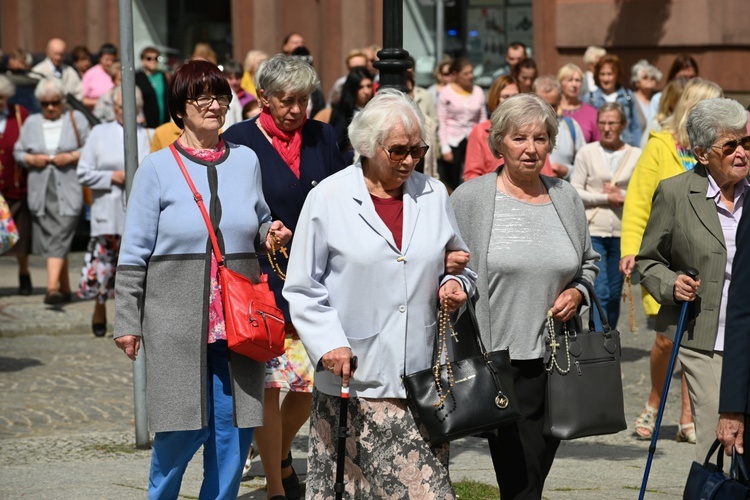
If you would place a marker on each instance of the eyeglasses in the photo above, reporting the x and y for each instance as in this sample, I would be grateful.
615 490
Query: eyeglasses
205 101
46 104
610 124
445 74
151 58
730 147
399 153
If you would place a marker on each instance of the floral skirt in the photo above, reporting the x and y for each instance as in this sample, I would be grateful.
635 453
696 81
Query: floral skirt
387 453
99 264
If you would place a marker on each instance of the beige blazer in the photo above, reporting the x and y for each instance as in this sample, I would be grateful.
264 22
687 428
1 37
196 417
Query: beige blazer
589 175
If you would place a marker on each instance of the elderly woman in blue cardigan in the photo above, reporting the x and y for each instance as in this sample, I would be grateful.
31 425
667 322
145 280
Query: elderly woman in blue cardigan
530 247
169 298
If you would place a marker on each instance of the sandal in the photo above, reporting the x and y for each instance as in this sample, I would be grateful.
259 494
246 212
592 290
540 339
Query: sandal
686 433
292 488
249 462
644 424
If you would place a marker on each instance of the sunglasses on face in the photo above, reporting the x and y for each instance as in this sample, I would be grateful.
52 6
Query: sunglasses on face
399 153
151 58
730 147
49 103
205 101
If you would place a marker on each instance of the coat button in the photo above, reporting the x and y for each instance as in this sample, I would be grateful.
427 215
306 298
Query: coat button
401 308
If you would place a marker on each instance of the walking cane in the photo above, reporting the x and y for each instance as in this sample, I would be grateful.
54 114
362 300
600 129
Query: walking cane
693 274
343 433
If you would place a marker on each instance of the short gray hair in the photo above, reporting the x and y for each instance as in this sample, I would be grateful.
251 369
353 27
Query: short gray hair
593 53
520 111
644 68
613 106
48 86
117 94
6 86
546 83
387 109
712 118
282 73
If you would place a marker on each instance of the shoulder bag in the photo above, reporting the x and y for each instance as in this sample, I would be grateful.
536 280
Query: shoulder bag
584 383
706 481
255 326
8 231
469 395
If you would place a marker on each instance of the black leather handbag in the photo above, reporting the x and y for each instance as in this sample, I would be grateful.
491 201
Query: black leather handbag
706 481
470 394
584 383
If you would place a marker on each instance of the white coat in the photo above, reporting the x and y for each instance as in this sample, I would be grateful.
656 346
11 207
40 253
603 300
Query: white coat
349 285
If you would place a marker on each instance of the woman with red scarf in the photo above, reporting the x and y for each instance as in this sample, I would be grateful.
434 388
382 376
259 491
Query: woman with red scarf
295 154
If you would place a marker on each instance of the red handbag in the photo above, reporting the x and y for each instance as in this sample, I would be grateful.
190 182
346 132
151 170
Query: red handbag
254 325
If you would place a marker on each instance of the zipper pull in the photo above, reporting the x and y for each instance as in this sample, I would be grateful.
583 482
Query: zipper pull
578 368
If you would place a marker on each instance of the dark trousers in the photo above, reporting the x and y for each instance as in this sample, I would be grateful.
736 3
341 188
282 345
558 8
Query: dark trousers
521 455
452 174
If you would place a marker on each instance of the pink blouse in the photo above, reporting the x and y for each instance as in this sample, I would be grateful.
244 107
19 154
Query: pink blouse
458 114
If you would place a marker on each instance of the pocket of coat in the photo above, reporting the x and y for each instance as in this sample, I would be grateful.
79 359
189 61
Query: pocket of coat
370 364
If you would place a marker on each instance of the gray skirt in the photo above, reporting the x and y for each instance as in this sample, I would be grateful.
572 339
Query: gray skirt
387 453
53 233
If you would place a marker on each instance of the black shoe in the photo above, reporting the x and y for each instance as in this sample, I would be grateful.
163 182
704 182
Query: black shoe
24 284
292 488
54 298
99 329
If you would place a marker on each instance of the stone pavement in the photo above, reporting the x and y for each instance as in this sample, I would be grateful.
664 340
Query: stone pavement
66 419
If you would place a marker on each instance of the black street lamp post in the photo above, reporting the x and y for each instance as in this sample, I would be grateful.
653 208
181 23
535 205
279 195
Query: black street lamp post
392 59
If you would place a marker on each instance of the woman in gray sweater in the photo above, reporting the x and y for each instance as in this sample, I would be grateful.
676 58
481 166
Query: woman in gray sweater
530 247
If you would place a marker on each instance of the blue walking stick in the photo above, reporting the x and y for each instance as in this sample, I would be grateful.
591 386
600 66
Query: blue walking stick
692 273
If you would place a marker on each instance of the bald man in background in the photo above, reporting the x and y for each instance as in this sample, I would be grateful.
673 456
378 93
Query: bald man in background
53 66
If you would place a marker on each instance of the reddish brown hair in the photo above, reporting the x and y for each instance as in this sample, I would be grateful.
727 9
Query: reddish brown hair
191 80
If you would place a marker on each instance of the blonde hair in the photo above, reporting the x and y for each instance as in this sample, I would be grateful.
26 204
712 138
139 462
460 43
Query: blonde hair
253 59
567 71
695 91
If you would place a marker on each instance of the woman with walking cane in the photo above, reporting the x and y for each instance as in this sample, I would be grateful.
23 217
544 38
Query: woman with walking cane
693 222
365 277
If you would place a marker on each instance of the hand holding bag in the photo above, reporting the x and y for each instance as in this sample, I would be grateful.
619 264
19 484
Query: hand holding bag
706 481
466 396
254 325
584 383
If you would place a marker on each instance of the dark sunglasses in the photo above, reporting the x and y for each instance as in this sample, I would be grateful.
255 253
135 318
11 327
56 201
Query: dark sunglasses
399 153
151 58
49 103
730 147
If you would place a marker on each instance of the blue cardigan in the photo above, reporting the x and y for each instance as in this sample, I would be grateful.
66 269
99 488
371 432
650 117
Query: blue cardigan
632 133
284 193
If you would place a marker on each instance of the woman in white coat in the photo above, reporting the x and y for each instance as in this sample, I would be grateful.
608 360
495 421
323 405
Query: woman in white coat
365 278
102 168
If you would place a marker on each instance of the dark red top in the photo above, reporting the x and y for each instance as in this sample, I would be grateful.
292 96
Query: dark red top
391 211
12 176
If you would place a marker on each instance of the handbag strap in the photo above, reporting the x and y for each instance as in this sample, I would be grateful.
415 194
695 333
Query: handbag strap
201 206
597 304
75 127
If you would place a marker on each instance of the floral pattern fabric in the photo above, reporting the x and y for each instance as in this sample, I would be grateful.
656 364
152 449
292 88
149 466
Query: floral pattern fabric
387 452
292 370
99 264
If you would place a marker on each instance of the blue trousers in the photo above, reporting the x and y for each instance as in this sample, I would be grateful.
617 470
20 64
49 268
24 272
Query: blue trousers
225 447
608 284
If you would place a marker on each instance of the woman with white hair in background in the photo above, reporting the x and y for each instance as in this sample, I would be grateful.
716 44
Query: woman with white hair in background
644 78
370 245
49 147
102 169
590 58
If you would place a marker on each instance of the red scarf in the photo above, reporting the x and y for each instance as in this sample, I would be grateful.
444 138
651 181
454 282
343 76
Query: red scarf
287 144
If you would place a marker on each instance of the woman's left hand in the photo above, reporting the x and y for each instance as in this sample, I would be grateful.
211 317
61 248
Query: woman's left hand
452 295
63 159
566 304
283 233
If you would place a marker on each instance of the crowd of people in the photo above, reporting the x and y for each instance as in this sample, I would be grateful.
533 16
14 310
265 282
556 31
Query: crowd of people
542 188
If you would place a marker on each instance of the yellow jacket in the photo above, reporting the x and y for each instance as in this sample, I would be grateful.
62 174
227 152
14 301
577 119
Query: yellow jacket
248 84
658 161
